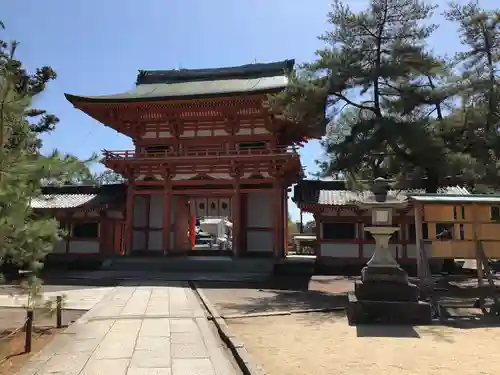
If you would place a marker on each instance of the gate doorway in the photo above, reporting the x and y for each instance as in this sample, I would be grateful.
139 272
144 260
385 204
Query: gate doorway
210 226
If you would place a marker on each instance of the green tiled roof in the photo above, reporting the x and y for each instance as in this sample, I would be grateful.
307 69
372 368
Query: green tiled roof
191 83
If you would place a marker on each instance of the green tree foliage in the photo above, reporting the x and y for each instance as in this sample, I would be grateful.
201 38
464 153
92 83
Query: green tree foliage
391 106
25 238
108 176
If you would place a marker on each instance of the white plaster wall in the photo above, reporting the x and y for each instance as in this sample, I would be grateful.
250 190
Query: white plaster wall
59 247
83 247
172 240
260 210
140 211
155 240
411 250
173 208
340 250
156 210
259 241
138 240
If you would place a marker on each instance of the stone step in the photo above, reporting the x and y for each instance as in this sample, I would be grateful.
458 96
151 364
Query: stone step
191 264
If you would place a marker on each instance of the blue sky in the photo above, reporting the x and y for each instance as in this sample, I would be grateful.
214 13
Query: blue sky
96 48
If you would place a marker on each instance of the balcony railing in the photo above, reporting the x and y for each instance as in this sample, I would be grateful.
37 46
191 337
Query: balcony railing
194 154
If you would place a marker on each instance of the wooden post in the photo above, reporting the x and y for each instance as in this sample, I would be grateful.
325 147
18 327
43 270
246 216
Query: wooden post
28 331
479 261
236 219
192 231
129 226
278 213
419 242
166 214
59 311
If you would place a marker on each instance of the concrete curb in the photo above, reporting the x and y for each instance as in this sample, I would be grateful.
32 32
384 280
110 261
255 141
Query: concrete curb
243 359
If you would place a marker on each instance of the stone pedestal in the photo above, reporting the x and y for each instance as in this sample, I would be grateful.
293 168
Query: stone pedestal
384 295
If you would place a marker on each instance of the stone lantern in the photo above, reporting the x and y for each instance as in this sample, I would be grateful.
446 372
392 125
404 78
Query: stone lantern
384 295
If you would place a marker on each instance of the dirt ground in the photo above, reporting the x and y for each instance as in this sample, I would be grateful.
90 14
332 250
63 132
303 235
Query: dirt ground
12 318
324 344
12 355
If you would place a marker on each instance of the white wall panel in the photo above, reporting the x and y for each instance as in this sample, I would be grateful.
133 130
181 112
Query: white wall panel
260 210
140 211
156 211
259 241
83 247
340 250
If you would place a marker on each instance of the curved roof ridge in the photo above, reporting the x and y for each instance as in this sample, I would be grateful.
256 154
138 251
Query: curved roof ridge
256 70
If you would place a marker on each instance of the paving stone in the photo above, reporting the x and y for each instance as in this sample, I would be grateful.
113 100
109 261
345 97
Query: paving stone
31 368
149 371
106 367
126 326
155 327
189 350
67 364
150 359
183 325
108 342
185 337
78 346
89 330
157 344
201 366
116 346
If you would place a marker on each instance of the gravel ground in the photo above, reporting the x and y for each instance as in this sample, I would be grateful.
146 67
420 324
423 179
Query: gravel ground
324 344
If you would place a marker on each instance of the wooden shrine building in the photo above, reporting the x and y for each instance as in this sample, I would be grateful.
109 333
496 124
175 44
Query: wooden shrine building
341 238
204 145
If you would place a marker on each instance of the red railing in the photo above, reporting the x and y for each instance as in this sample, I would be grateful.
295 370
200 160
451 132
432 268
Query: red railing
193 154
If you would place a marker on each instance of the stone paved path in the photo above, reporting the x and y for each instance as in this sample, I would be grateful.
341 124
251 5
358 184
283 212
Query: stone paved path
137 331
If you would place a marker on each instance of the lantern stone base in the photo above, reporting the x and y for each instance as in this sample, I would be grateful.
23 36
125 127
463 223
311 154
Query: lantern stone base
388 312
384 274
384 296
386 291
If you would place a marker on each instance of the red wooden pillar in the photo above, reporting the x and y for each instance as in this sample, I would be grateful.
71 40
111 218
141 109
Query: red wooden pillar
317 232
236 219
129 221
285 223
278 221
192 231
181 222
167 200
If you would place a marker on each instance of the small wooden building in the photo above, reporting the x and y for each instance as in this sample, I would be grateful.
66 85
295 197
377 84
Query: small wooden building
454 223
93 217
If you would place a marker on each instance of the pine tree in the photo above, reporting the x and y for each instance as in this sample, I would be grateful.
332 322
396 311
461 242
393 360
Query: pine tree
376 80
25 238
473 126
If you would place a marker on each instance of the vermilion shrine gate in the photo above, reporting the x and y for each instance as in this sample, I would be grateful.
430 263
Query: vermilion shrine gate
204 146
